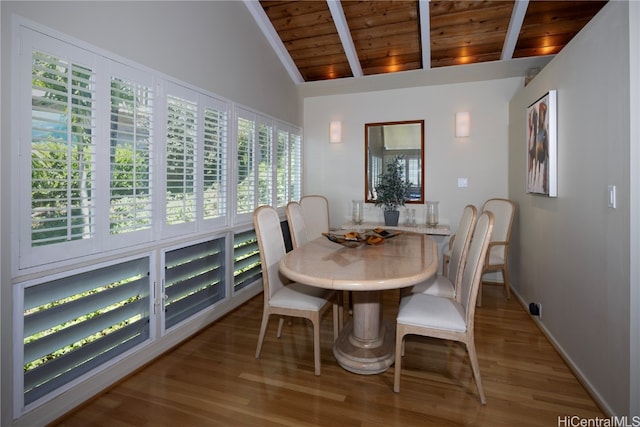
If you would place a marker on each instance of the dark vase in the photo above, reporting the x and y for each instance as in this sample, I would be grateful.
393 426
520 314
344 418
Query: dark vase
391 217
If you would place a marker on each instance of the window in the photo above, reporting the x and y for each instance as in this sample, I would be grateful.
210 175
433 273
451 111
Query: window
268 162
246 174
265 164
246 259
130 156
75 323
215 161
62 150
110 156
180 160
289 166
194 280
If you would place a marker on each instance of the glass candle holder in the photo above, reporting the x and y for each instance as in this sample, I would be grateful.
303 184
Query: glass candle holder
432 214
411 217
357 211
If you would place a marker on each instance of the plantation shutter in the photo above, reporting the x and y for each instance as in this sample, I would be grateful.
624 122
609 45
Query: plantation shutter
130 156
282 168
265 164
180 160
288 165
246 174
295 171
62 150
215 183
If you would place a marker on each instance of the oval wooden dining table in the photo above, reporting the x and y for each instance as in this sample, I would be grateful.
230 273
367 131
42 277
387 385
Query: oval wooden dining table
366 343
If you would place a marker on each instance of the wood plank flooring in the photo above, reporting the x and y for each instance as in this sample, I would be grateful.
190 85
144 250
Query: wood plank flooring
213 379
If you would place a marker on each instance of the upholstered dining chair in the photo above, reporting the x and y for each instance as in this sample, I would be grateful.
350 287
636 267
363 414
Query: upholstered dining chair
297 225
504 212
449 286
291 299
446 254
299 236
446 318
315 210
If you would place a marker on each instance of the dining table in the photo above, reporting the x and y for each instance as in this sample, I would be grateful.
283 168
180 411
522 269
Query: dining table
365 344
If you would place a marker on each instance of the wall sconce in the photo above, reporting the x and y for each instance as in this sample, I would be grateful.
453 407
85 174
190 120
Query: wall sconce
335 132
463 124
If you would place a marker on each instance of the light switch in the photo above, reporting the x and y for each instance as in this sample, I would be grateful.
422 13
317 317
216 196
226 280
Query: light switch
462 183
612 196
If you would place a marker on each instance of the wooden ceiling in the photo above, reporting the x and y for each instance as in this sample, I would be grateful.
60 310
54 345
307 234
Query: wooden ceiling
320 40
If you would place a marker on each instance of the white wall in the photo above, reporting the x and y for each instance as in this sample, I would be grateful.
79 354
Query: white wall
571 253
337 170
634 159
214 45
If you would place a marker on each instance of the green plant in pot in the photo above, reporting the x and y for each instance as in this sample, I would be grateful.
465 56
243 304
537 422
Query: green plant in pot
392 190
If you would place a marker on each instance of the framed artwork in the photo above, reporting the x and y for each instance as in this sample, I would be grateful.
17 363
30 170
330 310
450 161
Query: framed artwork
542 149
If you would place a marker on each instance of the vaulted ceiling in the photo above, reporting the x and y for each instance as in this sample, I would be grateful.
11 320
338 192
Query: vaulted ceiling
322 40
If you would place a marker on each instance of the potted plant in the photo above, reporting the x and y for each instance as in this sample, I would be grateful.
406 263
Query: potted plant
392 190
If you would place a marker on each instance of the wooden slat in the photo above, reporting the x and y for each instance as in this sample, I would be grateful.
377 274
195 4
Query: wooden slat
549 25
468 32
308 32
213 379
386 35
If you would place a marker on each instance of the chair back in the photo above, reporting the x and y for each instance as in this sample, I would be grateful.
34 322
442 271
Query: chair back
271 246
315 210
461 246
472 274
503 211
297 226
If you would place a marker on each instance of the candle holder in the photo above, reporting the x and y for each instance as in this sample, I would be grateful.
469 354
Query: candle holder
357 211
432 214
411 217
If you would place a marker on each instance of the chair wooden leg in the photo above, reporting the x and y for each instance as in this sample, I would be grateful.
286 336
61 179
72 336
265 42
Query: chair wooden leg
336 321
316 342
505 277
263 330
280 323
398 362
445 265
479 299
475 367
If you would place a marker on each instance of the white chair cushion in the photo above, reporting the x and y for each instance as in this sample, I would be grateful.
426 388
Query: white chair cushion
439 286
432 312
301 297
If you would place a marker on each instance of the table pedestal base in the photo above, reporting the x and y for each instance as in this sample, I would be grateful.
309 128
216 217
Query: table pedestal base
366 344
363 360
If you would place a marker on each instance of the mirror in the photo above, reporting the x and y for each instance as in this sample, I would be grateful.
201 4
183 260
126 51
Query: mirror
383 142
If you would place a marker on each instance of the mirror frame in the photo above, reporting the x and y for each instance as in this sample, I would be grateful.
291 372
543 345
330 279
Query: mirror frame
368 192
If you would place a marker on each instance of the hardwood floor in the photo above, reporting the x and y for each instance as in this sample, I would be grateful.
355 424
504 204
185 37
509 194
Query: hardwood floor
213 379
